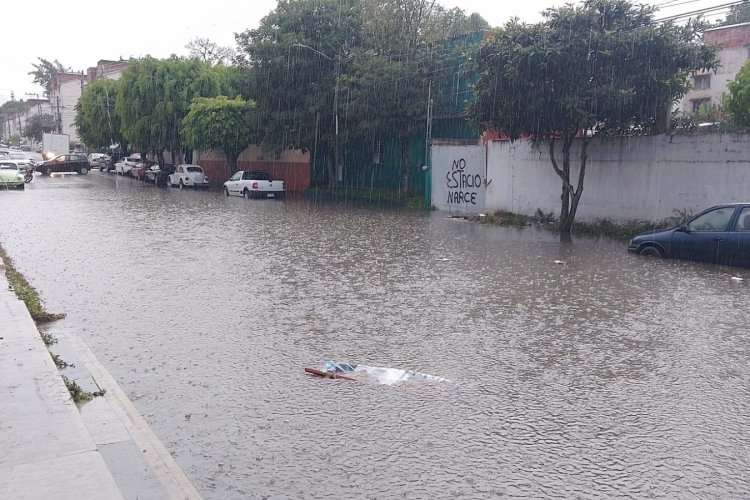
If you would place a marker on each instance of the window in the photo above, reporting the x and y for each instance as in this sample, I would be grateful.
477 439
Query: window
697 103
236 176
702 82
743 221
378 157
715 220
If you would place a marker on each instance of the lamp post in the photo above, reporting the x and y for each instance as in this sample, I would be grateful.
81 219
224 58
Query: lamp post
337 169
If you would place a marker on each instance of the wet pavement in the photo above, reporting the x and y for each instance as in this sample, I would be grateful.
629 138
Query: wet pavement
604 376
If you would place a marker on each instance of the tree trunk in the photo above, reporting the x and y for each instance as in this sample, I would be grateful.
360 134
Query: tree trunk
405 166
231 161
570 196
189 156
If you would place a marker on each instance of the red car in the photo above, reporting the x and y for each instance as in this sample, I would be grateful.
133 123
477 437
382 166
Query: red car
139 171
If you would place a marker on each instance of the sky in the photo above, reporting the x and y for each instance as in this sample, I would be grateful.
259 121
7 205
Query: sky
79 33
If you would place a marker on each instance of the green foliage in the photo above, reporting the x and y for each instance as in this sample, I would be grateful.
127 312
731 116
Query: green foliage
738 100
221 123
737 14
369 62
26 293
45 71
97 122
38 125
76 392
154 98
603 66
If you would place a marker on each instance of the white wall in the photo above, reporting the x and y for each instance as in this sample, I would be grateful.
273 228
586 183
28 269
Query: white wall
458 175
636 178
69 94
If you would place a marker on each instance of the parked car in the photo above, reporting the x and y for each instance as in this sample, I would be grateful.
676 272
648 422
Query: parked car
187 175
140 169
719 235
10 175
253 184
96 160
66 163
22 159
125 164
158 174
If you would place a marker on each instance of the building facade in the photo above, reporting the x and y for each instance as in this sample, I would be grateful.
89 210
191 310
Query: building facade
733 50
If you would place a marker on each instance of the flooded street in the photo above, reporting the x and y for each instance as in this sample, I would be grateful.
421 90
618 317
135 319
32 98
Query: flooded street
604 376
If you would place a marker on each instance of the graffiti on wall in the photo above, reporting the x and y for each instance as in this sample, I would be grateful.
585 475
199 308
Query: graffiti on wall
462 187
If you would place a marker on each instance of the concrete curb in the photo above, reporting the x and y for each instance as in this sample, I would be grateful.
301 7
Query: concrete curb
51 450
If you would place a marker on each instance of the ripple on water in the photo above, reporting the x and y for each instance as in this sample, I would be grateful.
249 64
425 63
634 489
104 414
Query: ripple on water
606 376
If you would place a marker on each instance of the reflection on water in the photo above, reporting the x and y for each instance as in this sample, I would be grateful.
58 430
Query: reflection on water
604 376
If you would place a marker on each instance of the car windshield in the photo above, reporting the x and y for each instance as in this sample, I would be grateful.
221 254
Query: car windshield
7 166
194 169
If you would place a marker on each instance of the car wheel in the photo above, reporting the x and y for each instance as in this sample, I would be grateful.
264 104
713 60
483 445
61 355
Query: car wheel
651 251
48 171
226 191
84 170
246 194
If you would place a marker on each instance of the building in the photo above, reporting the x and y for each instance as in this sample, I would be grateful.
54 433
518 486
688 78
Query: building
66 89
106 69
733 51
64 92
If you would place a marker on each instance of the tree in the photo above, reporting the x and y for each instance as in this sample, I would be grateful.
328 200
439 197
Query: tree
209 52
602 67
154 97
221 123
738 100
37 125
327 74
297 58
737 14
96 120
402 52
45 71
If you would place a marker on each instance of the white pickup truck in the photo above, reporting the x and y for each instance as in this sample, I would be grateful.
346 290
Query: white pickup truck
253 184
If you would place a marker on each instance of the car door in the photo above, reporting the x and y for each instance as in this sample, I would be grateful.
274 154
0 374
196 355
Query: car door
233 185
738 239
704 238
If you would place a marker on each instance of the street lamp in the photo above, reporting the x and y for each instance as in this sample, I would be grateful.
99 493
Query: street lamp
337 59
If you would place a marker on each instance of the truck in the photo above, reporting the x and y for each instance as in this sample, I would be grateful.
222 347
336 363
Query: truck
254 184
55 144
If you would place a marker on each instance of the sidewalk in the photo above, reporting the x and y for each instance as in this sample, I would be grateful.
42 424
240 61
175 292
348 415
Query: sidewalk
50 450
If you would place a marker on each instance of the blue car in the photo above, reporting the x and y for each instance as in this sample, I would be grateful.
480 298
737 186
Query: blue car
719 235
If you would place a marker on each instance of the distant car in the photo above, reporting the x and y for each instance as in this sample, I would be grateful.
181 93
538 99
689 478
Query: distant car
719 235
10 175
124 165
158 174
22 159
187 175
96 160
253 184
140 169
66 163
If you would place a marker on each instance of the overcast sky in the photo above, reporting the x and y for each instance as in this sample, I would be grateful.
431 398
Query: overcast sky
78 33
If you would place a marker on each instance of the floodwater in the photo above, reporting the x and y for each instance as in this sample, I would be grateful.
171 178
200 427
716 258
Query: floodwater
604 376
